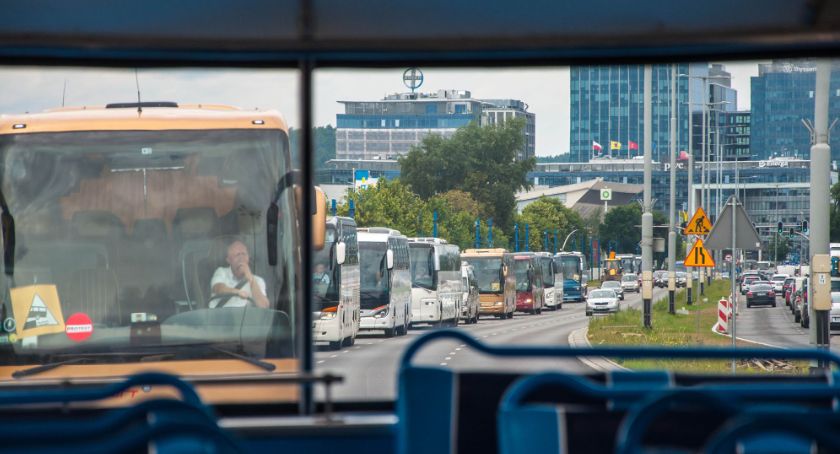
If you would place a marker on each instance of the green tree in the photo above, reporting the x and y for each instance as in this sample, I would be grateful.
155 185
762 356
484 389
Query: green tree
547 214
619 228
477 160
388 204
779 247
324 137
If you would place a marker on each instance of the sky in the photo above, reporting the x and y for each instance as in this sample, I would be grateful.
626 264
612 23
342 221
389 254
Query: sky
545 90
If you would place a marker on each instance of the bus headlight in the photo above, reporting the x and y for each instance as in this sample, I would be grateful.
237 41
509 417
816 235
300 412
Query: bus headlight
328 313
381 311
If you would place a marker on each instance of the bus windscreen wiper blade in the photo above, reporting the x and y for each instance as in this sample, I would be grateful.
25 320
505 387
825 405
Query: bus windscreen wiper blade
22 373
261 364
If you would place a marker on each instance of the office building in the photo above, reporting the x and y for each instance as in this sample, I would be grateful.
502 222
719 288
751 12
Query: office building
782 95
388 128
606 108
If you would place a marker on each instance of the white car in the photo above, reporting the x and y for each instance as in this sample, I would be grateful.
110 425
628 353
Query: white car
834 321
630 283
602 301
778 281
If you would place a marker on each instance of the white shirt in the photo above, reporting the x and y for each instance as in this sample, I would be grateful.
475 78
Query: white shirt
224 275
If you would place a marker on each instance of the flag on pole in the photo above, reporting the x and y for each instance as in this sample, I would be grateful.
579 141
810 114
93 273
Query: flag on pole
596 146
683 156
633 145
615 145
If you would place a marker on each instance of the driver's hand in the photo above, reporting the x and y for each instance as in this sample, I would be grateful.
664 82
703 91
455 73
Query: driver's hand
243 294
245 269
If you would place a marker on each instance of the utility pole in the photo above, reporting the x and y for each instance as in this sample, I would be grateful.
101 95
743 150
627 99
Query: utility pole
647 216
819 201
672 235
691 202
704 200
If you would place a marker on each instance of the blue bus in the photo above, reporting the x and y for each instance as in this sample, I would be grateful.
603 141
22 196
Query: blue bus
573 268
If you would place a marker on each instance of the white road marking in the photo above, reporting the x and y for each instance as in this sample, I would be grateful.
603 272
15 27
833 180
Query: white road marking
448 358
321 361
333 356
442 364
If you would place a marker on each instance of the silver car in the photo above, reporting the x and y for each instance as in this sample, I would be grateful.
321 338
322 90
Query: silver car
834 322
602 301
614 286
630 283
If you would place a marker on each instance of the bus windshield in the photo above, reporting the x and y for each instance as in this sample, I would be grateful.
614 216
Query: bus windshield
373 274
571 267
325 273
520 269
159 227
547 272
422 265
488 272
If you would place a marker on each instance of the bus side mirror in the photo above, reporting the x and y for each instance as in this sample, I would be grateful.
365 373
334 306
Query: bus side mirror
437 261
389 259
340 252
319 219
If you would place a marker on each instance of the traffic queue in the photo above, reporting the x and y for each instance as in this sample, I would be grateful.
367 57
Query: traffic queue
377 279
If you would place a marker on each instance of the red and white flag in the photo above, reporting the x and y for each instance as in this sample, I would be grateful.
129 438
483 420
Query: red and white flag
633 145
596 146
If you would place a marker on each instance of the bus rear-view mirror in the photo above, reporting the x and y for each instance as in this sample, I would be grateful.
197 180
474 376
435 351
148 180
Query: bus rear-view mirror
340 252
389 259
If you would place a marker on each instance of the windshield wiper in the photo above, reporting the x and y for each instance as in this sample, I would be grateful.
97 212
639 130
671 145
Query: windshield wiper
248 359
22 373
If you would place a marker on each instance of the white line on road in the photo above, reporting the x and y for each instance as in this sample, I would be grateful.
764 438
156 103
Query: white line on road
442 364
333 356
321 361
448 358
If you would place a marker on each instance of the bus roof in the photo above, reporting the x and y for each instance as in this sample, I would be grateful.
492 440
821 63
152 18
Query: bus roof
98 118
484 252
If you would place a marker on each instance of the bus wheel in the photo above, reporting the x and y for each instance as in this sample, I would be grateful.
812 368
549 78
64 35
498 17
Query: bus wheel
336 345
389 332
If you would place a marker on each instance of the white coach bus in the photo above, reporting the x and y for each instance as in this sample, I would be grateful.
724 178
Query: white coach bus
385 280
436 284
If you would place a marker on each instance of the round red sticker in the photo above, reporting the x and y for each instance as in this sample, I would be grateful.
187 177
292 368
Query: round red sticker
78 327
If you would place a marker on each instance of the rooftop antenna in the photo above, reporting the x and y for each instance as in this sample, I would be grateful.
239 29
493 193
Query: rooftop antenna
137 82
63 92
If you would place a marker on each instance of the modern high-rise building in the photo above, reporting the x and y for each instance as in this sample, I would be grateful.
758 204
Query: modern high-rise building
735 135
606 107
388 128
782 96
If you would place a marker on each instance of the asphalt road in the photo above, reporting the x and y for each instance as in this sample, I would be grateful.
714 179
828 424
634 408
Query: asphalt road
370 366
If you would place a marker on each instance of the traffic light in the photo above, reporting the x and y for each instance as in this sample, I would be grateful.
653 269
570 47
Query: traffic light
805 227
791 232
781 227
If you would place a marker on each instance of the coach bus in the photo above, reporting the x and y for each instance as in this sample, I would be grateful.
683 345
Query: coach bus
157 230
335 285
436 284
384 268
530 293
572 266
552 278
496 281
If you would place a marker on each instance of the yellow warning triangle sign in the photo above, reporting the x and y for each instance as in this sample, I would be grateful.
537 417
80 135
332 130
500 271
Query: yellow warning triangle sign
699 224
699 256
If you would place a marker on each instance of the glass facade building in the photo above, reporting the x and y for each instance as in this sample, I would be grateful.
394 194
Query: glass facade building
387 129
782 96
606 105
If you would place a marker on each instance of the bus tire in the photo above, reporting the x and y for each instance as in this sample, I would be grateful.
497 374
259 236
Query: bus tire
336 345
389 332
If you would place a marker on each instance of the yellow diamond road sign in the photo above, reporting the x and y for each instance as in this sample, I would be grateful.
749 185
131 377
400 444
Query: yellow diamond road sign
699 256
699 224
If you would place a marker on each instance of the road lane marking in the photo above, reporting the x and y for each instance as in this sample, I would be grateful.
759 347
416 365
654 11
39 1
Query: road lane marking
448 358
333 356
321 361
442 364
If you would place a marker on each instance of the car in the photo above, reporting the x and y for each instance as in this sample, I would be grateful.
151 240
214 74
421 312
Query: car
834 321
748 280
660 278
630 283
614 286
761 294
681 279
787 290
796 288
470 304
778 281
602 301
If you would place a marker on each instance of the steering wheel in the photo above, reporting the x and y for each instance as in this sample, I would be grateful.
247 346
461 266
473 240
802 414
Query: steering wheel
227 297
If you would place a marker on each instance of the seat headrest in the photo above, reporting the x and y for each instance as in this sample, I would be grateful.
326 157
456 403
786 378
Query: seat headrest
96 224
149 230
195 222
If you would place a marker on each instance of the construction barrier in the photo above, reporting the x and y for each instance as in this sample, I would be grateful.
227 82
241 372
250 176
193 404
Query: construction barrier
724 313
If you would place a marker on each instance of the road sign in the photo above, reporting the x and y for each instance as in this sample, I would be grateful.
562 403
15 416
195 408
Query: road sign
606 194
721 235
699 256
699 224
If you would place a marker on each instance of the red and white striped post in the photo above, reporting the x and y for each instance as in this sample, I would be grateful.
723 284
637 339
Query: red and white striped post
722 325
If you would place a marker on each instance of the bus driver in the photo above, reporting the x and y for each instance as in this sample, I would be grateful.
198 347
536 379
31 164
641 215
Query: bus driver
232 285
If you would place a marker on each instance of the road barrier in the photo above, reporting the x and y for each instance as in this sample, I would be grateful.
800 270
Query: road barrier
724 313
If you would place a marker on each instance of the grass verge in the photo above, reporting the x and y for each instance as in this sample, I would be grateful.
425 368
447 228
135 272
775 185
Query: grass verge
691 326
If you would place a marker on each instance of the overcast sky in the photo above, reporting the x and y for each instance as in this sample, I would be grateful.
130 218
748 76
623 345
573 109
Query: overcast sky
545 90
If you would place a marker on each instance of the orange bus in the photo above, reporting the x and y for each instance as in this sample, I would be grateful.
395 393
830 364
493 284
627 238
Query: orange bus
496 282
151 236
